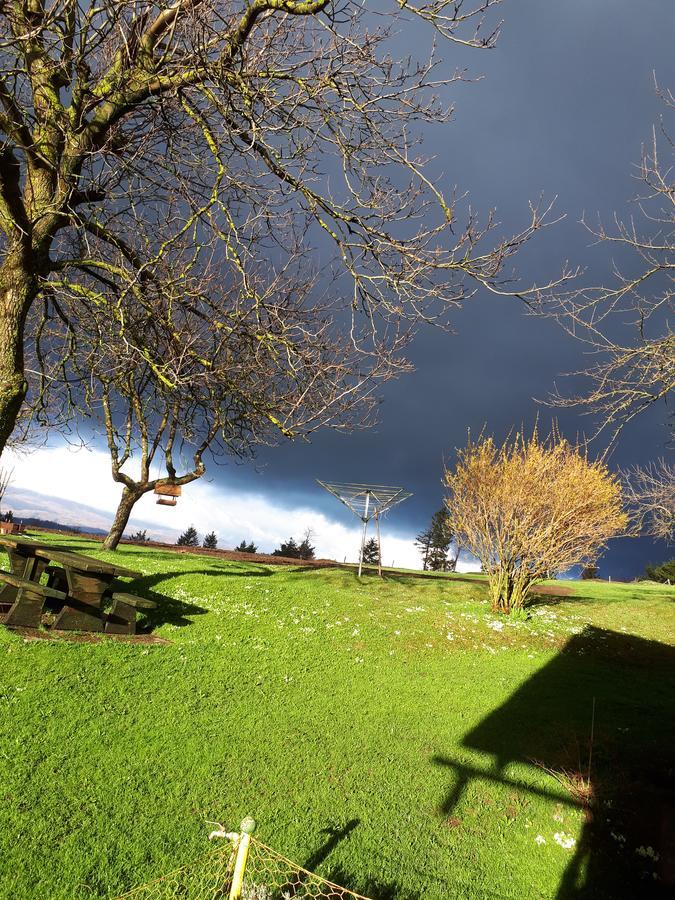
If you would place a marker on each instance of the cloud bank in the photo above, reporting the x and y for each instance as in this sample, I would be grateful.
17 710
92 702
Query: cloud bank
75 487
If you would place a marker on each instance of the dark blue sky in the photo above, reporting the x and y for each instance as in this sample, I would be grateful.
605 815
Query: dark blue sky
565 104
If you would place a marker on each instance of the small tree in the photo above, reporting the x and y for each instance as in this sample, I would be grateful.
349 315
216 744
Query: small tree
288 548
531 508
305 548
5 479
246 548
589 572
189 538
441 537
434 544
139 537
210 541
371 552
423 541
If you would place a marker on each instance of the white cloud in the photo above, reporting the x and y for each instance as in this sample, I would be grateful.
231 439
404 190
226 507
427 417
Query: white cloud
83 477
77 488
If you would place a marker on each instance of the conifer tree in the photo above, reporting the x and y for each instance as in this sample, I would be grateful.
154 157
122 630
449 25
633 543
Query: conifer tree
210 541
371 552
288 548
440 540
305 548
246 548
434 543
423 541
189 538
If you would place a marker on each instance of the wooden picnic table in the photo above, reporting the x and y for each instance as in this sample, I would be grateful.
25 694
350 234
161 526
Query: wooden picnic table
23 564
81 581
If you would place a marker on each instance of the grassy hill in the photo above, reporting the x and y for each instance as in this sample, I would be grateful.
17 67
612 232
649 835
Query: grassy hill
392 734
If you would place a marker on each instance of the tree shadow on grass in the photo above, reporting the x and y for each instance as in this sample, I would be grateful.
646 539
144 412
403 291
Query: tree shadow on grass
375 889
147 582
300 884
629 805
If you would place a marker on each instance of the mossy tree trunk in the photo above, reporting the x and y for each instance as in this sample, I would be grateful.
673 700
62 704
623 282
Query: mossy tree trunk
508 588
121 520
18 289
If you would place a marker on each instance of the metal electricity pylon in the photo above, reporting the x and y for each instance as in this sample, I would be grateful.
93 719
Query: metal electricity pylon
367 501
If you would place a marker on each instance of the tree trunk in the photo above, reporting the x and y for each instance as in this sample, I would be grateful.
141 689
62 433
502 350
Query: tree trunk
18 289
127 503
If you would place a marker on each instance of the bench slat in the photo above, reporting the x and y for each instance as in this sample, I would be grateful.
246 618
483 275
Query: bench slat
32 586
82 563
133 600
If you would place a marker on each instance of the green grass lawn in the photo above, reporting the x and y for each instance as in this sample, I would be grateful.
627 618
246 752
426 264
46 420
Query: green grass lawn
392 734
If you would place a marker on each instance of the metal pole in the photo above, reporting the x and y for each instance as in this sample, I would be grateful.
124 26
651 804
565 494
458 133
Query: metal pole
363 535
379 545
247 828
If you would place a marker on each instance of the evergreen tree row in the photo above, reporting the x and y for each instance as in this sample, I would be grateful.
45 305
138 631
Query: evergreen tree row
290 548
190 538
293 550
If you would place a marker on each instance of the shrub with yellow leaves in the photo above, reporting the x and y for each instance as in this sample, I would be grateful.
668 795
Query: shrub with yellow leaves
530 509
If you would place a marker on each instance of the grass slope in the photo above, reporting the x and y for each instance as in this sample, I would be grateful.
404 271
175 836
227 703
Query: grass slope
392 734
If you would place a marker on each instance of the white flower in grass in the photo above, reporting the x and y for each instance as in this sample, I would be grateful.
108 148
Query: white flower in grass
566 841
496 626
540 839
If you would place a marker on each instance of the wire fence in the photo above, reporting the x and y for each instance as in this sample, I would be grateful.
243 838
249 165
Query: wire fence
243 868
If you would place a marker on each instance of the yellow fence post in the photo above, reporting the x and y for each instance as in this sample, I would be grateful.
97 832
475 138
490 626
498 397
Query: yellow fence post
247 828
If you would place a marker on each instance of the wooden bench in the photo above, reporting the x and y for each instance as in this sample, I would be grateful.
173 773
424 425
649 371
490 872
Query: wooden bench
26 610
122 617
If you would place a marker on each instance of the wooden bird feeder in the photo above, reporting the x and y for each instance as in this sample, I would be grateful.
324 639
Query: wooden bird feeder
167 493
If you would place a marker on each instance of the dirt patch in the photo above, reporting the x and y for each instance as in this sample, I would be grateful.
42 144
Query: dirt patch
552 590
84 637
202 551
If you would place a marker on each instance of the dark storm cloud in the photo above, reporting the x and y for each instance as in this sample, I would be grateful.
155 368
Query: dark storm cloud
566 102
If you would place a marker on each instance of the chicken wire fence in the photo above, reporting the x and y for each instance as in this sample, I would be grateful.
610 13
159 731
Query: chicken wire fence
241 869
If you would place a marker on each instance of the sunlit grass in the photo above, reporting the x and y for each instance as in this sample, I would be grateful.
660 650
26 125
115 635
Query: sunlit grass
309 699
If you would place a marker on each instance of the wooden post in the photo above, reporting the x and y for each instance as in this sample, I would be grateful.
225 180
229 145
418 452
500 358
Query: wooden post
379 545
82 611
363 536
247 828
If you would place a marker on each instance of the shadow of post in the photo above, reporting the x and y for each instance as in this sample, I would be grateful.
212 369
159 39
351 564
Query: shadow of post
627 845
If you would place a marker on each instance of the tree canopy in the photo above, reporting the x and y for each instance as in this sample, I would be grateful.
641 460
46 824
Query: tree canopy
157 159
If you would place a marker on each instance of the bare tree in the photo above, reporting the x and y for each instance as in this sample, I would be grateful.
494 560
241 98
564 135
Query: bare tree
626 325
650 492
270 371
530 508
214 135
5 480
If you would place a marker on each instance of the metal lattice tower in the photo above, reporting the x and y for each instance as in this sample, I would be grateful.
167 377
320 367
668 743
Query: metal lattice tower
367 501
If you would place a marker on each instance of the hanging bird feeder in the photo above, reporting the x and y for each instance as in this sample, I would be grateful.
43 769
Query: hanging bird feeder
167 493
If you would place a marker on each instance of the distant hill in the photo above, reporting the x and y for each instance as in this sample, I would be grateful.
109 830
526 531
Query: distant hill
58 526
41 511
